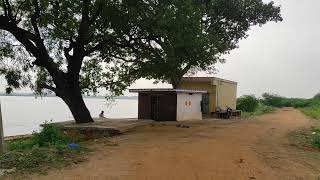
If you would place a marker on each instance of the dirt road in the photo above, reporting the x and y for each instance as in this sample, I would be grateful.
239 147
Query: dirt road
255 148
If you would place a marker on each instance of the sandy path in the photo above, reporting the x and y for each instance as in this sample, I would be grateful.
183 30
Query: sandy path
254 148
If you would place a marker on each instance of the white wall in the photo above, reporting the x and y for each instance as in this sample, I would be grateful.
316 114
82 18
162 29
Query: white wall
188 106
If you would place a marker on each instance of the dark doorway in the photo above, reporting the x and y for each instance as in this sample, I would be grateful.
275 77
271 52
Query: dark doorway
164 107
155 107
205 104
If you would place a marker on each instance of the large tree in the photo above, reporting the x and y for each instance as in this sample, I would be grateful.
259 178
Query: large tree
192 35
64 46
74 46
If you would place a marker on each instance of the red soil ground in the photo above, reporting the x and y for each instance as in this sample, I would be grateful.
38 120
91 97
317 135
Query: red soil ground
248 148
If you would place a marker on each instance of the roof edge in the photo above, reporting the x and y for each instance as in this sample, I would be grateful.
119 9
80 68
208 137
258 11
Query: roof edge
207 79
166 90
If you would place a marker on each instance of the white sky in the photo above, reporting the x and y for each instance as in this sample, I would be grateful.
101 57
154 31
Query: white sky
282 58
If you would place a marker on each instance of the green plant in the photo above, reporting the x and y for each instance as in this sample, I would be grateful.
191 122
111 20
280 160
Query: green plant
313 112
261 109
48 148
49 136
279 101
247 103
316 142
37 159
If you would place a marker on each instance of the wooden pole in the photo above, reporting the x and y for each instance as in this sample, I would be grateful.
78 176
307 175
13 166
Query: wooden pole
2 149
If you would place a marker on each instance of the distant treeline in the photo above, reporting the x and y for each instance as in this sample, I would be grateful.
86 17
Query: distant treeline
279 101
250 103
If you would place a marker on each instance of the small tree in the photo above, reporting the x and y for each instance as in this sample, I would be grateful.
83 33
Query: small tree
189 36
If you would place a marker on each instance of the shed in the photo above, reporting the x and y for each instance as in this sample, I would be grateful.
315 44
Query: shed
169 104
221 93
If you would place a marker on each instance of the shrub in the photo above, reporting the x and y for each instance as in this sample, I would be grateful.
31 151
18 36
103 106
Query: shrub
313 112
49 136
48 148
279 101
274 100
265 109
247 103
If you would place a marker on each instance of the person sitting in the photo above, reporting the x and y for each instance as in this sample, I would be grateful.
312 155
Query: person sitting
101 115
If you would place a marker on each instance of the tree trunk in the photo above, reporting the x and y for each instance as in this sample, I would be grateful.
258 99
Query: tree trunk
176 83
74 100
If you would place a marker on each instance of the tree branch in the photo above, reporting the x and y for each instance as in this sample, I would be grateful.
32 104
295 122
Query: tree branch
34 17
84 27
18 9
46 86
9 9
75 62
97 12
97 47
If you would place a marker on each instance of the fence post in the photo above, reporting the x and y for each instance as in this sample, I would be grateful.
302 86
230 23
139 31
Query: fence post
2 148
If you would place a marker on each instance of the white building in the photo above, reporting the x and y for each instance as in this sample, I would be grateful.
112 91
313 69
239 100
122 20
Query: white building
169 104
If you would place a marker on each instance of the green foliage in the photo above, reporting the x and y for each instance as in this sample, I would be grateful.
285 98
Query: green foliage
310 107
308 138
38 159
47 148
260 110
247 103
279 101
188 36
313 112
49 136
76 47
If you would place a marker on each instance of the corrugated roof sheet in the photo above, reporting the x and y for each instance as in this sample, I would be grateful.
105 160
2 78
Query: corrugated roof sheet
206 79
167 90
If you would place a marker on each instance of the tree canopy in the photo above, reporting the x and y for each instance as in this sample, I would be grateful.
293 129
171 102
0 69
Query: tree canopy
64 46
192 35
71 47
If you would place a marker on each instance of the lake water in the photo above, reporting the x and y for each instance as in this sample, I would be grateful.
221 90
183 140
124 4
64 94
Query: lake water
23 115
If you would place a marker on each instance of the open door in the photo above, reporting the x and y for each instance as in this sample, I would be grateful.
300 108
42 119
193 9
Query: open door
155 107
205 104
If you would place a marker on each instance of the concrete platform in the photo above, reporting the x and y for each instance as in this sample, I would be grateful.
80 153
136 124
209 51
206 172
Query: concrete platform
102 127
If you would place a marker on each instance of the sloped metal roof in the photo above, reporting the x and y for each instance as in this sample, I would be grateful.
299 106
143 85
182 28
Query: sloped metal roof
166 90
206 79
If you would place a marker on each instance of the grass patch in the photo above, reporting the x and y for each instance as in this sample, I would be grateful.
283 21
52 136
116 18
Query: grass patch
307 139
260 110
313 112
44 150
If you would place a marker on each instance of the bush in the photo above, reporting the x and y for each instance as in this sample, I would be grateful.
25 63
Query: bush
261 109
48 148
247 103
274 100
279 101
49 136
313 112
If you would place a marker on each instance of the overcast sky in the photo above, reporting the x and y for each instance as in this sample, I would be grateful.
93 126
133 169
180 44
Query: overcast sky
282 58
